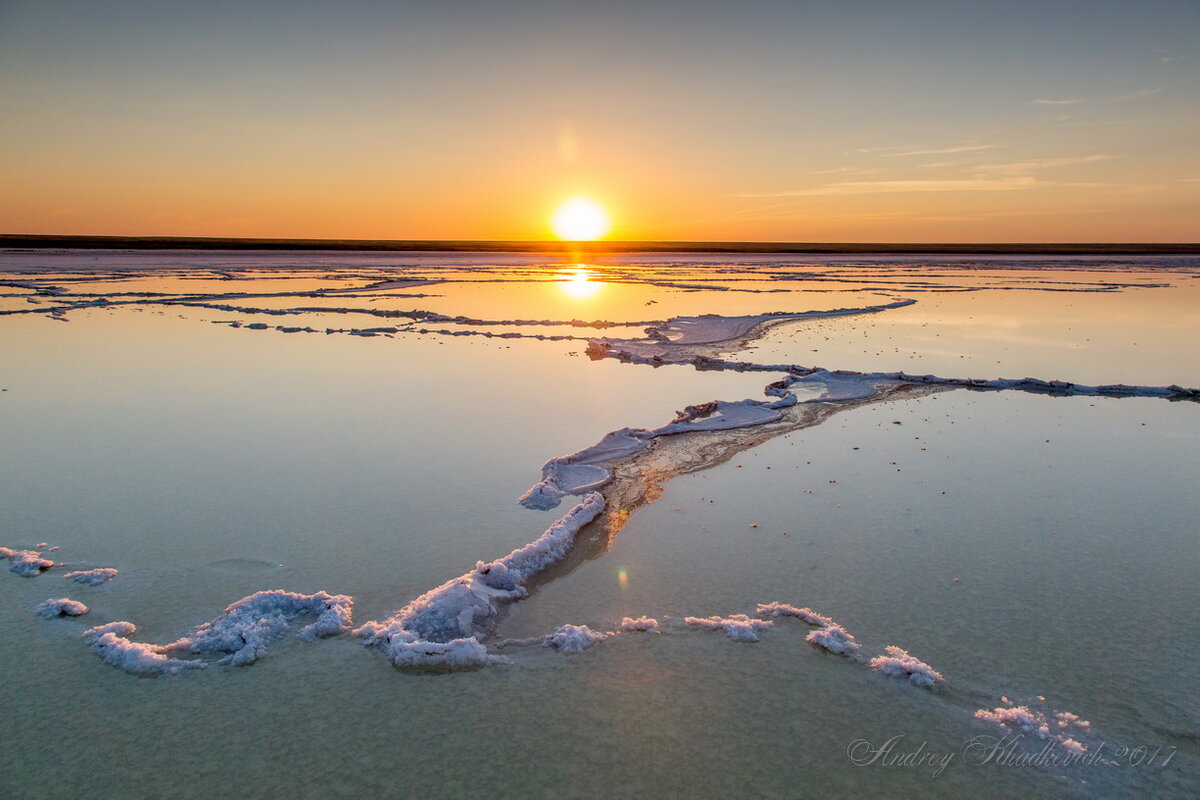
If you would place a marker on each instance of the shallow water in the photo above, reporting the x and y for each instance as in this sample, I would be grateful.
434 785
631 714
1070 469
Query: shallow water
207 462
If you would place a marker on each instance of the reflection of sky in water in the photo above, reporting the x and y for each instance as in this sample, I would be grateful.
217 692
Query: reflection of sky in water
197 459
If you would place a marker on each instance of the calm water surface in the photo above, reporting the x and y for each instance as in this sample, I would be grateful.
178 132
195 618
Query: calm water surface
1023 545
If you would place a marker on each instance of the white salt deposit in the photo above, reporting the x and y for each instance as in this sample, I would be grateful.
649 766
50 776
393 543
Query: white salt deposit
112 643
242 633
585 470
834 638
829 634
714 328
900 664
720 415
26 562
405 650
645 624
1032 721
738 627
777 609
92 577
1066 718
575 638
62 607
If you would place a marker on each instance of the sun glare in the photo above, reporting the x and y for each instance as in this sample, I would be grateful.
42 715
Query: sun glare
580 220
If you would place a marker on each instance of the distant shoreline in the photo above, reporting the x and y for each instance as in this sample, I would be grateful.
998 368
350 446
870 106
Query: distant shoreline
34 241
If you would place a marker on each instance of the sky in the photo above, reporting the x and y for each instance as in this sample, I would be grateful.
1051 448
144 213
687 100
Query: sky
699 121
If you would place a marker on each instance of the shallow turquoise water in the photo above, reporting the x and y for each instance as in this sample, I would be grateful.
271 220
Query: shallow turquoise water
207 463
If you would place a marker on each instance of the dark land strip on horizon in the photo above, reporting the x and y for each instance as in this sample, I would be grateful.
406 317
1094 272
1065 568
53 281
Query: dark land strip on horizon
39 241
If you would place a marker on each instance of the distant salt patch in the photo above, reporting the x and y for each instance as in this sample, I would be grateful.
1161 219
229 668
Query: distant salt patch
843 385
62 607
575 638
441 627
1066 718
829 634
1031 721
26 562
643 624
898 663
242 633
738 627
713 328
92 577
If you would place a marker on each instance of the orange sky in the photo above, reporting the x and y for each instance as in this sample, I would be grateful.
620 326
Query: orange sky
786 121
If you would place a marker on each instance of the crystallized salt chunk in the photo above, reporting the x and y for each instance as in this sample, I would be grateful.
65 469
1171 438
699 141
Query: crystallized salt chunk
900 664
62 607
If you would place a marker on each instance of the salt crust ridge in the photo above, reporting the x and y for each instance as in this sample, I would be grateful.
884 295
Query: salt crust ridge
441 628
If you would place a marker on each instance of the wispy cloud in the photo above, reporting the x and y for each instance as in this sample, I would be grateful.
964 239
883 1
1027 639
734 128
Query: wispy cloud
843 171
879 187
1051 101
880 149
1010 177
967 148
1137 94
1043 163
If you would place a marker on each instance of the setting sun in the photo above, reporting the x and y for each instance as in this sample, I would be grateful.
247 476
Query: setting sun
580 220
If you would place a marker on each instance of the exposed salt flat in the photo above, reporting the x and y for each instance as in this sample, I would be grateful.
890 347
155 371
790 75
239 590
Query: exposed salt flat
714 328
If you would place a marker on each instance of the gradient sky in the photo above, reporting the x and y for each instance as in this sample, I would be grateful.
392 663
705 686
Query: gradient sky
777 121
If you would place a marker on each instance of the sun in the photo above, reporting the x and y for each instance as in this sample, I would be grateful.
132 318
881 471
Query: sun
580 220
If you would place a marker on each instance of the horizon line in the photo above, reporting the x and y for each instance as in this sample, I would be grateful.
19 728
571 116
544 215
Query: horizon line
599 247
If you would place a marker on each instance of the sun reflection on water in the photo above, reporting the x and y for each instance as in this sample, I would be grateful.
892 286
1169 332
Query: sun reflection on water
577 283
